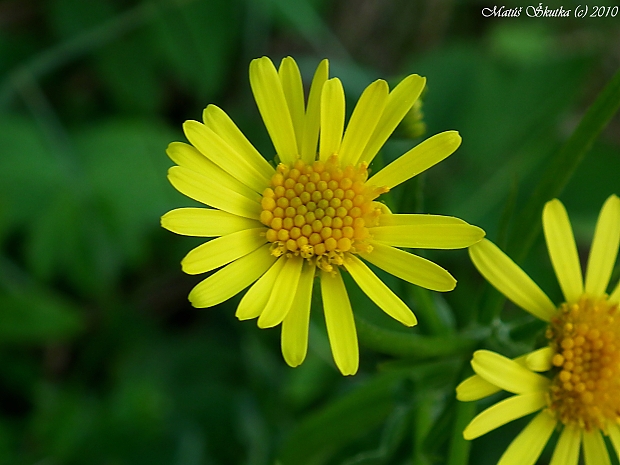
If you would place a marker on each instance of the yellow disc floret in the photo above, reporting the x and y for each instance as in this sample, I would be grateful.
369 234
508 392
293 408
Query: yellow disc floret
586 339
320 211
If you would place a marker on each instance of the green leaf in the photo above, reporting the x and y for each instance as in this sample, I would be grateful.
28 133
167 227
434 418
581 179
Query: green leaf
321 434
37 318
197 40
458 452
562 166
29 170
393 434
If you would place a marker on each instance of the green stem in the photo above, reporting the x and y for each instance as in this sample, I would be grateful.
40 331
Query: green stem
410 345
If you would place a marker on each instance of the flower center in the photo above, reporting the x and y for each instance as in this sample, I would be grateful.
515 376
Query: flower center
320 211
586 339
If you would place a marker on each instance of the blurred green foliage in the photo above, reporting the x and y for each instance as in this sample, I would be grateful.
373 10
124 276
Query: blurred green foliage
103 361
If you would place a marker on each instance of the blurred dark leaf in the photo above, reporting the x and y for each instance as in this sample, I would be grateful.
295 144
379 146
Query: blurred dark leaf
321 434
29 170
196 39
36 318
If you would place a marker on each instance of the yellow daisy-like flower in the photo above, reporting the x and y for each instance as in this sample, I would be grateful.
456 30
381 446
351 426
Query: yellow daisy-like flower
580 394
315 213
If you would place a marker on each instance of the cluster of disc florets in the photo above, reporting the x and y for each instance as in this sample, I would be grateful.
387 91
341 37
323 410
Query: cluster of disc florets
585 337
320 211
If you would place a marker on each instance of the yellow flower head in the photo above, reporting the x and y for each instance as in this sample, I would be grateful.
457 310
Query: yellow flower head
580 393
315 213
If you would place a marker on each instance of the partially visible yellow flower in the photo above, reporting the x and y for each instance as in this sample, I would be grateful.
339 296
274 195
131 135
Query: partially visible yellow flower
315 213
580 393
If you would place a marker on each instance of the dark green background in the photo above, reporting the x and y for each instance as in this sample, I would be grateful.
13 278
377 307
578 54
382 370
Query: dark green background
102 359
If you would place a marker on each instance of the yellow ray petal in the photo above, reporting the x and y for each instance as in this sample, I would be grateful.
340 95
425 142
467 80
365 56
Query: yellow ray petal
340 324
414 219
189 157
282 295
411 268
271 102
474 388
504 412
332 118
418 159
295 326
604 247
290 77
254 301
614 435
399 102
428 236
312 121
223 250
223 155
205 190
562 249
219 122
205 222
231 279
567 449
594 449
528 445
507 374
506 276
378 292
363 122
539 360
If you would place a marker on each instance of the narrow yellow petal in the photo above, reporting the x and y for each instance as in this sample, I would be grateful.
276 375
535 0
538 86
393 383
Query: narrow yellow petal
416 219
474 388
232 279
594 449
254 301
504 412
562 249
540 360
614 435
604 247
399 102
411 268
428 236
223 155
205 190
271 102
283 293
363 122
418 159
507 374
567 449
529 444
223 250
332 118
295 326
340 324
378 292
290 77
189 157
219 122
205 222
312 122
509 279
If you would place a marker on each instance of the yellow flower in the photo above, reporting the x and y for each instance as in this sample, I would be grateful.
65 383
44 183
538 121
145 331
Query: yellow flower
580 394
315 213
